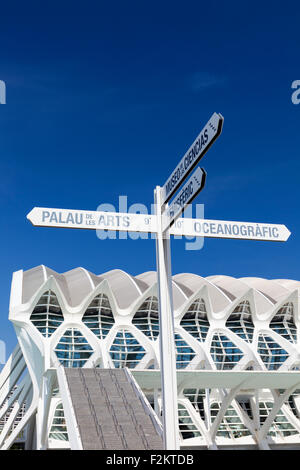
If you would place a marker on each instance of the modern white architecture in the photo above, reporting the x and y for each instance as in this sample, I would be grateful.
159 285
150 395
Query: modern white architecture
237 355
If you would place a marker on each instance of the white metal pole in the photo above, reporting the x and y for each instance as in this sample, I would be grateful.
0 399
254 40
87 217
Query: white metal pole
166 332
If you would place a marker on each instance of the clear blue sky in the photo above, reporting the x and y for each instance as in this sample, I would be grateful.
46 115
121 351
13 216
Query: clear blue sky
104 98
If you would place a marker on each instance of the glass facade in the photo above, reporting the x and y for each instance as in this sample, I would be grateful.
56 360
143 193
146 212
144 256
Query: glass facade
73 350
283 322
245 404
240 321
197 398
146 318
47 315
271 353
195 320
224 352
281 426
98 317
125 350
187 427
292 402
184 352
231 426
58 428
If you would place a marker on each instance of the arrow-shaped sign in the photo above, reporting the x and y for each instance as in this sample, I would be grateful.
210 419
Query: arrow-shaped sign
93 220
197 150
185 196
229 229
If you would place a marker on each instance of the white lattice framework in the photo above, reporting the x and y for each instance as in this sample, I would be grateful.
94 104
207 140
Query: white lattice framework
222 324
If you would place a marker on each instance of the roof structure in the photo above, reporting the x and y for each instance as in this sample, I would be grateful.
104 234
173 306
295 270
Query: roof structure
78 283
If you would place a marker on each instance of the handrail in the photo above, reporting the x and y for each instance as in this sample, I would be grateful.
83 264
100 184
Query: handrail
146 405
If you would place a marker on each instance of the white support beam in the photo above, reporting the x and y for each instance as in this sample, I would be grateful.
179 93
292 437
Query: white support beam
254 380
7 438
275 409
10 364
225 404
72 426
16 368
42 420
7 404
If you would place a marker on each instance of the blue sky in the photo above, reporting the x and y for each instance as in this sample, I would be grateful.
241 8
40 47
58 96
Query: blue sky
104 98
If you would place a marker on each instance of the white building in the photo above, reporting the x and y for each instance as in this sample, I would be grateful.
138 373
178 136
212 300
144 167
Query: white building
237 354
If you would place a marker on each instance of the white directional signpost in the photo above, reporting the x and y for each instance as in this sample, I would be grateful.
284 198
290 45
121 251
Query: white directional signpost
164 223
199 147
93 220
229 229
165 217
188 192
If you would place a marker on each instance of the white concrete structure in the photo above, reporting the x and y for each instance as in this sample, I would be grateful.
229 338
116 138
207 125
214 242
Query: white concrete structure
237 354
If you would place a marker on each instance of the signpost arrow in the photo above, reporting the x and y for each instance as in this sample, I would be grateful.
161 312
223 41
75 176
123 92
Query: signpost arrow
199 147
93 220
187 193
228 229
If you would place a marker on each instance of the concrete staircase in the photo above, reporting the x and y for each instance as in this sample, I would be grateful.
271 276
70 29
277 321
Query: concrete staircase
111 412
